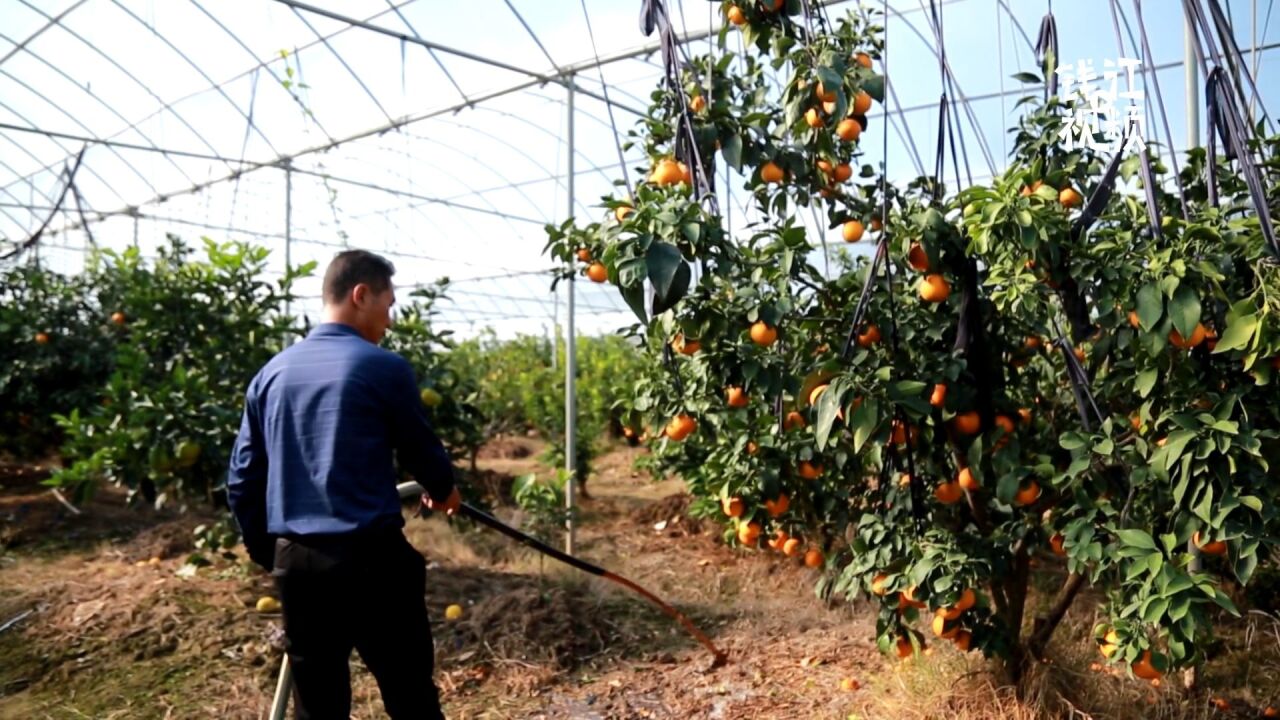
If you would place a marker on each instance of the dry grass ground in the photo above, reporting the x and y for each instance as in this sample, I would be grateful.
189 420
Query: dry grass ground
112 638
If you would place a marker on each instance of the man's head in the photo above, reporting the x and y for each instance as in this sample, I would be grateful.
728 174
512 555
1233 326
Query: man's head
358 292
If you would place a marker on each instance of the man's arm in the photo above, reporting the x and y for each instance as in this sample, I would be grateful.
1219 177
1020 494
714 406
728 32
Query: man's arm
247 484
418 448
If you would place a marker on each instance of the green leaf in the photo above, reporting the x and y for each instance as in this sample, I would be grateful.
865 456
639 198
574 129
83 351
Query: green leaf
1156 610
875 88
864 422
1028 78
1136 538
731 149
1239 332
1184 310
1146 381
1073 440
1252 502
664 263
634 296
1150 306
1244 567
1225 602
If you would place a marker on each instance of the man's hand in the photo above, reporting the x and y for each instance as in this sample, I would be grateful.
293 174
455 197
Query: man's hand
449 506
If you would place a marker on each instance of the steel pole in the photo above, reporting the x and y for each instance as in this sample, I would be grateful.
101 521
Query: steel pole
570 366
1192 75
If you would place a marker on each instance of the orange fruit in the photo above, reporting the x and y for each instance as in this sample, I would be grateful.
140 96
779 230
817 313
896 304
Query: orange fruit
863 59
849 684
917 258
842 172
735 397
813 558
1110 643
809 471
813 118
1133 319
861 103
698 104
777 507
762 334
777 5
852 231
870 337
942 627
824 95
686 176
1197 336
1222 704
680 427
934 288
948 493
1024 414
771 173
966 480
1057 543
879 585
876 224
904 648
1079 353
1033 343
793 421
584 255
816 393
778 540
791 547
621 212
1144 669
1270 712
684 346
732 506
752 447
939 396
1028 494
666 172
736 16
1004 423
597 272
42 338
1070 198
749 533
117 317
968 423
829 108
1217 547
899 433
904 480
906 600
848 130
967 600
962 640
824 167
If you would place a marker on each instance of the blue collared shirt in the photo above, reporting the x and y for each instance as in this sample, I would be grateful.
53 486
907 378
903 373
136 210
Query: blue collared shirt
321 422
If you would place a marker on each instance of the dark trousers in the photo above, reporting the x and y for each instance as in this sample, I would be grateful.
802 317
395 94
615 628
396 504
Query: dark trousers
367 592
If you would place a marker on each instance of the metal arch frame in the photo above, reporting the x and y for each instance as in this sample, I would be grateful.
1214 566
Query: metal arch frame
185 58
130 76
76 121
259 65
50 22
32 155
472 190
105 105
439 63
343 62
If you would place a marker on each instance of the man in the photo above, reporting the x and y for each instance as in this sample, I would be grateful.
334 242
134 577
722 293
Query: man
313 488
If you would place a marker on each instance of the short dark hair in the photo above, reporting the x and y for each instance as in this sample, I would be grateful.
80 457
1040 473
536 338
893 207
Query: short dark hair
352 267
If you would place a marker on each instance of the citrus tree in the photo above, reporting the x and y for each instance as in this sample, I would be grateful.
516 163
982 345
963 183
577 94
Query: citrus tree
54 337
1039 370
449 396
191 333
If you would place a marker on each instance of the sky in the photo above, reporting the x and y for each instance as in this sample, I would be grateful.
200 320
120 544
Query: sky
465 188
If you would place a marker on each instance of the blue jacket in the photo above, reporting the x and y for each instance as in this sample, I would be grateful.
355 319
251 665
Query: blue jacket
314 453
